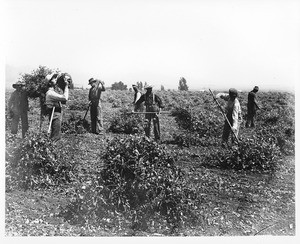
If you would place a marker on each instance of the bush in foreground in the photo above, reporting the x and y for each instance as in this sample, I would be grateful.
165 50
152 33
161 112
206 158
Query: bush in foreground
140 187
36 162
75 125
126 123
200 128
257 154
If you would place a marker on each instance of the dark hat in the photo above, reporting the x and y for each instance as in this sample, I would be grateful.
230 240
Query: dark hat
91 80
233 92
18 84
134 85
256 88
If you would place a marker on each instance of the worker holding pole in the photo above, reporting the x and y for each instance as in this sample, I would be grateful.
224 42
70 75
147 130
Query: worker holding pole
53 103
153 105
232 115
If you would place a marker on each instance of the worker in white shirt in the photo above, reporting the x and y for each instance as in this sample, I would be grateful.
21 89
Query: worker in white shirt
53 103
232 112
137 95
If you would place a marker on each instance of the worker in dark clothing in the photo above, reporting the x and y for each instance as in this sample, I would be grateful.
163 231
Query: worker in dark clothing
252 107
96 109
18 108
137 95
153 104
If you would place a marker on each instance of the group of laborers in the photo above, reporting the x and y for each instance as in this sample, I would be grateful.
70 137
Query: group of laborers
18 108
233 112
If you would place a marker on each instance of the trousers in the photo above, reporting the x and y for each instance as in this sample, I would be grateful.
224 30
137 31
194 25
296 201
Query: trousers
227 131
55 134
15 122
250 118
156 127
96 118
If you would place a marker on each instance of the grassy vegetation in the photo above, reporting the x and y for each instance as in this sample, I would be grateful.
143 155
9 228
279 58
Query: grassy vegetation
230 200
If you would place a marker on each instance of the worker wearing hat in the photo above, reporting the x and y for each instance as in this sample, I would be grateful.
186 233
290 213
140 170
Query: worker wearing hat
137 95
96 109
252 107
53 103
18 108
232 112
153 104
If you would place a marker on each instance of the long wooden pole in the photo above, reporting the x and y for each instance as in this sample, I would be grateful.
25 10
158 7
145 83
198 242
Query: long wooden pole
41 120
41 115
86 111
51 118
164 112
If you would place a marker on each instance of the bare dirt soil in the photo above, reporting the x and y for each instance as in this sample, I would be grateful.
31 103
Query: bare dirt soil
236 203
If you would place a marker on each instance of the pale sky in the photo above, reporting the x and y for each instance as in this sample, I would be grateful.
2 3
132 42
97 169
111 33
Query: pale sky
213 43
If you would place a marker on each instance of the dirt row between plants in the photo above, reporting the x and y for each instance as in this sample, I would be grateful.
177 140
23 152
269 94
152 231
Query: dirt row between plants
236 203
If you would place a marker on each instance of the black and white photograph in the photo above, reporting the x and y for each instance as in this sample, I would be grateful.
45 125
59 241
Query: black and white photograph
150 120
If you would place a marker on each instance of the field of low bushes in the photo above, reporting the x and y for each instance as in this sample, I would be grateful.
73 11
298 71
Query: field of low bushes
122 183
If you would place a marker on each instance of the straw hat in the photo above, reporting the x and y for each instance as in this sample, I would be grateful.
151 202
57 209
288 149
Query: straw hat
148 87
51 76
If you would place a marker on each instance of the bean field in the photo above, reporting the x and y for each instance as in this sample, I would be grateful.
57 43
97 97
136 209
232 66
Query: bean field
121 183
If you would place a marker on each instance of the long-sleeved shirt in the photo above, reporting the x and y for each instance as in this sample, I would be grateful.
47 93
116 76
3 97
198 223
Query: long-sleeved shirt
18 102
233 109
137 96
150 99
53 98
252 102
95 92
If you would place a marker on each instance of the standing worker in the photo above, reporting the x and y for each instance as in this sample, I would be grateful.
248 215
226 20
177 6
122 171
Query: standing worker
252 107
153 104
137 95
53 103
18 108
232 112
96 109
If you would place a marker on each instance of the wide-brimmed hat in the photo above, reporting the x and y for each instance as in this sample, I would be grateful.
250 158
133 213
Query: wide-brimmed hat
18 84
233 92
51 76
91 80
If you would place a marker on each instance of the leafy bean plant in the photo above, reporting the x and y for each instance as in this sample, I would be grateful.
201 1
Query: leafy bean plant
126 123
36 162
257 154
280 126
139 187
75 125
188 139
77 104
201 127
